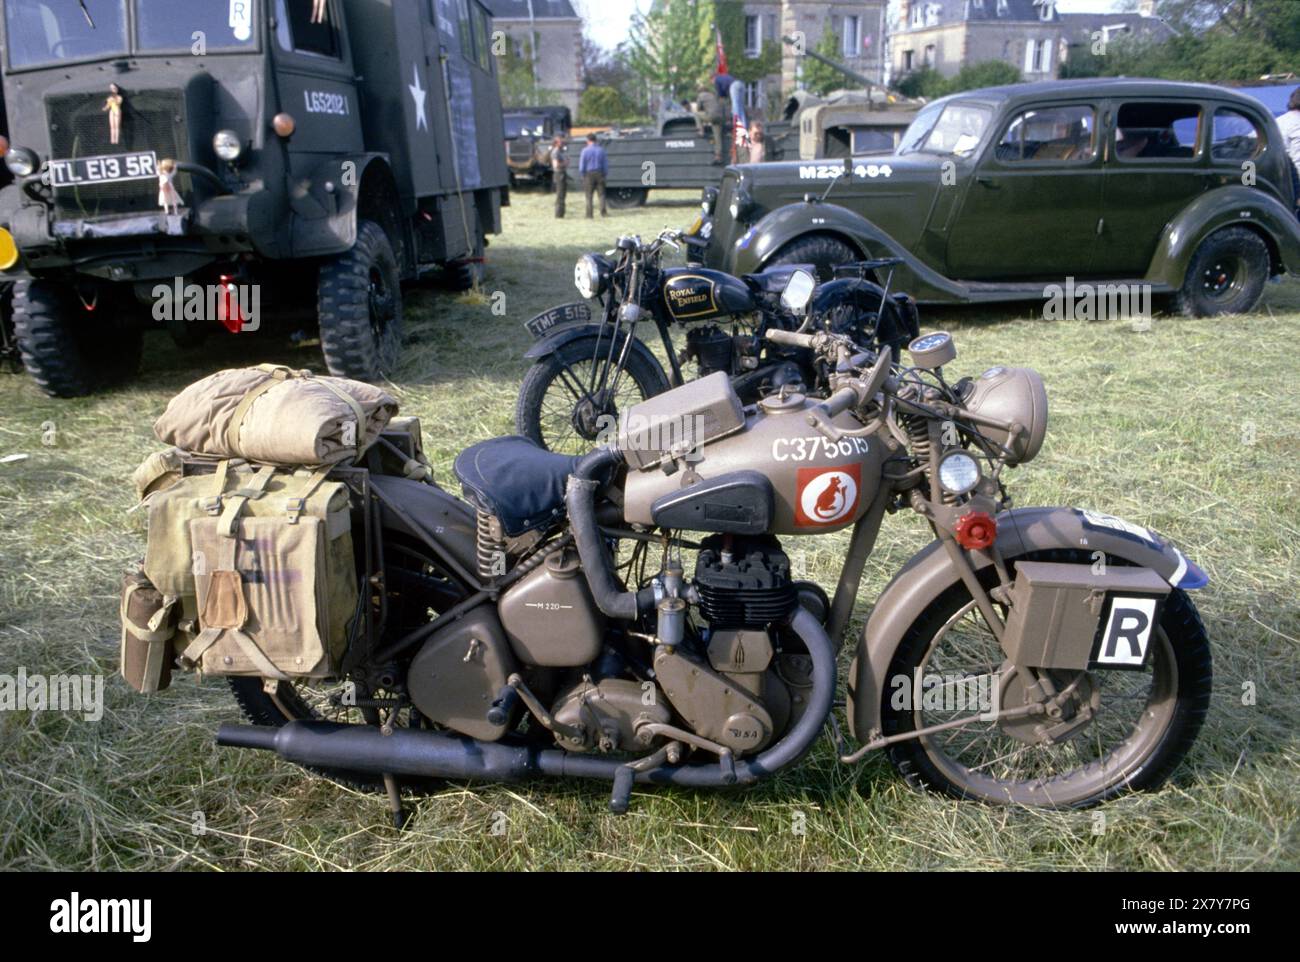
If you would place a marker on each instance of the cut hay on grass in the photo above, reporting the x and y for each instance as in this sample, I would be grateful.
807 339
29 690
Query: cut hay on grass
1191 428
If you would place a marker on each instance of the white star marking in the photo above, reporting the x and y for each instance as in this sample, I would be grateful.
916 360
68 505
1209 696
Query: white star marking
417 94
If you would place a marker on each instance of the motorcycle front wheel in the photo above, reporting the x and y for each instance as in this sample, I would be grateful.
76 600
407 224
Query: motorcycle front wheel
1124 730
572 396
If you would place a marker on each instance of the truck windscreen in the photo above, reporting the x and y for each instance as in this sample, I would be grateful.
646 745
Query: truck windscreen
182 24
50 31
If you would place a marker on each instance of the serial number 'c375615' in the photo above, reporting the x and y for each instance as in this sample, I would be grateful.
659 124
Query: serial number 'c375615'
817 448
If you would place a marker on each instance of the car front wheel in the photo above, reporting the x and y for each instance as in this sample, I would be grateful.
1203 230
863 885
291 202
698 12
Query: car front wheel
1226 274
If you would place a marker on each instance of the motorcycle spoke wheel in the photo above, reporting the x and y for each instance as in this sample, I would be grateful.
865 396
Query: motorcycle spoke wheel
1134 708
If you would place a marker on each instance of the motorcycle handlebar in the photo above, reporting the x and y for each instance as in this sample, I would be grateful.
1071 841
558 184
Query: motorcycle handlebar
790 338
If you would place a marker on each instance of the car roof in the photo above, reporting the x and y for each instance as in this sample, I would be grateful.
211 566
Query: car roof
1102 87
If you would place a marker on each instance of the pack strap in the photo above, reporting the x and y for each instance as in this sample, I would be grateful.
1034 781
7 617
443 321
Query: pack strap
351 402
234 504
295 506
277 375
153 632
210 636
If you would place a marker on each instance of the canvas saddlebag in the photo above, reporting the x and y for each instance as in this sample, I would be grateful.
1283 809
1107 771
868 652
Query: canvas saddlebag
258 561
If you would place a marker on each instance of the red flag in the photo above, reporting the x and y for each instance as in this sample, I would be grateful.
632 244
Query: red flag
722 54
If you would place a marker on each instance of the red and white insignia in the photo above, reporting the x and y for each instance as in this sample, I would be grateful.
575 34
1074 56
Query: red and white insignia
826 496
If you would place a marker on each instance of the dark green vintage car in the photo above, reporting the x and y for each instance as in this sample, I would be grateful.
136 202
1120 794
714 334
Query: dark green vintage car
993 194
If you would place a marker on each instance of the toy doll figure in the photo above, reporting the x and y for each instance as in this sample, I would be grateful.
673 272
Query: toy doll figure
318 10
114 107
169 199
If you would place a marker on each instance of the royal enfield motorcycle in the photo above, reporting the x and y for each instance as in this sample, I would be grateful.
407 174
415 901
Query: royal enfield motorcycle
585 374
632 614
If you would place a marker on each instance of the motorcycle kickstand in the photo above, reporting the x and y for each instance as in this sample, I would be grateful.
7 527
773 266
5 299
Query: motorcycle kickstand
399 814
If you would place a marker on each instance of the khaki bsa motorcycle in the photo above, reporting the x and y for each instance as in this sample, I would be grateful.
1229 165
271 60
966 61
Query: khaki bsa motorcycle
554 623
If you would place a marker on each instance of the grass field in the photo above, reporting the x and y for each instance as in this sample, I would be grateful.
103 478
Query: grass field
1191 428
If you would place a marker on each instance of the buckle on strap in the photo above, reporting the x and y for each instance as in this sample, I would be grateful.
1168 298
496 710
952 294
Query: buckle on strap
211 505
294 507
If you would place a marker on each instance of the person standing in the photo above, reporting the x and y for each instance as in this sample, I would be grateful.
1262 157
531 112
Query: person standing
757 143
593 165
1289 124
722 122
560 173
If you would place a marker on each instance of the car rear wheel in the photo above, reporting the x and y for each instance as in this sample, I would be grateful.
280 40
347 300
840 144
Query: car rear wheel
359 304
821 250
71 344
624 197
1226 274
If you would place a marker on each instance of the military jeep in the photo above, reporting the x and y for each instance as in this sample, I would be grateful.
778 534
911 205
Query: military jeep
1182 189
530 131
305 150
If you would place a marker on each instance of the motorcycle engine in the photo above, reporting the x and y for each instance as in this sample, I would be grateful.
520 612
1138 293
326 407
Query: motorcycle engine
712 348
732 681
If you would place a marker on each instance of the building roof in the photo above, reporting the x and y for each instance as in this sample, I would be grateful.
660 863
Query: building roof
542 9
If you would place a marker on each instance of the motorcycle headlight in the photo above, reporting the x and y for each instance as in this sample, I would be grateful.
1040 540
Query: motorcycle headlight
21 161
591 275
1013 395
227 145
959 472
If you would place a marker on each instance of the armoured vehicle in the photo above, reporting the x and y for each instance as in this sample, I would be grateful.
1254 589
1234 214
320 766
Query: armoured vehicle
1136 185
307 152
529 133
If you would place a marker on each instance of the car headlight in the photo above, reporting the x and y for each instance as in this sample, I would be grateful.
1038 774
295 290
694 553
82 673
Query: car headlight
591 275
959 472
21 161
227 145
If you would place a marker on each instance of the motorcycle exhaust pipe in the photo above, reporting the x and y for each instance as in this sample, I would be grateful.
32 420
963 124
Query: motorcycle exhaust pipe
363 748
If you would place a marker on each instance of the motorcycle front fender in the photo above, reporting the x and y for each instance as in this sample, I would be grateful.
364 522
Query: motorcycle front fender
930 572
551 343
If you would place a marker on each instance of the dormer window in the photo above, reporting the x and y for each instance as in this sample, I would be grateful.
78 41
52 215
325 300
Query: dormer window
1002 7
1046 9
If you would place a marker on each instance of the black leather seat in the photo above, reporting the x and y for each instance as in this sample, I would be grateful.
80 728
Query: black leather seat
514 479
772 280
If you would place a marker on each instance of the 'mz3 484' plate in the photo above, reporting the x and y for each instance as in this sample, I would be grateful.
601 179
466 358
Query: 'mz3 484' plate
105 169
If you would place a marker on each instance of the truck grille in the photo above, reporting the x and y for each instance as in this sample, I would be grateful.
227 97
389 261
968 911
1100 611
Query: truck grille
151 120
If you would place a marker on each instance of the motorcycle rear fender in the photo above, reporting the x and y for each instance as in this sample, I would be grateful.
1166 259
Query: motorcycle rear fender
930 572
443 516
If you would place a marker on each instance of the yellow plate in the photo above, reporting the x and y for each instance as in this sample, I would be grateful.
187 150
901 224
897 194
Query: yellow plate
8 250
695 227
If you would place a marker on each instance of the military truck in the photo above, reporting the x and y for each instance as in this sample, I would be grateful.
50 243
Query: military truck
529 134
308 151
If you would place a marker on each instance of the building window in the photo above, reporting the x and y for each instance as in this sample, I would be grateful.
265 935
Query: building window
852 36
908 55
753 35
1045 56
1002 7
1031 56
929 55
918 14
1045 11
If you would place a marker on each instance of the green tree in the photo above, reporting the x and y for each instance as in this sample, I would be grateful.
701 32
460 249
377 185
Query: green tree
672 47
604 105
926 82
817 76
986 73
729 15
515 78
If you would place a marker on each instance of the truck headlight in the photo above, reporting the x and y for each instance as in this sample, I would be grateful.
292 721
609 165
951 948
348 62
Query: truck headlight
591 275
741 203
21 161
958 472
709 200
227 145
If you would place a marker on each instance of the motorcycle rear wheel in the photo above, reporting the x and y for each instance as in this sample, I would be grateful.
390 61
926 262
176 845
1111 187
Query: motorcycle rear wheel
1144 725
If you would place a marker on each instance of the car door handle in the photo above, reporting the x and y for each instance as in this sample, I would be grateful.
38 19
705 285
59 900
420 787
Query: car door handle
988 182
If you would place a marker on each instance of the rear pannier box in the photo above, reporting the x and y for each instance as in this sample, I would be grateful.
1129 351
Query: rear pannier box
1071 616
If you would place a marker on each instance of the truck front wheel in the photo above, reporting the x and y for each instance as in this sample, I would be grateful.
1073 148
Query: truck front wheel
359 303
71 346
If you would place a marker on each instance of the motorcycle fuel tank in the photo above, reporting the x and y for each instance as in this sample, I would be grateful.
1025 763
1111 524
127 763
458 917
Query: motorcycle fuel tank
699 294
818 485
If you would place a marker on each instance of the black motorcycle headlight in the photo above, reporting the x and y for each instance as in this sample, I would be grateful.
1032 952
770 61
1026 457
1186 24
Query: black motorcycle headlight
21 161
708 200
591 275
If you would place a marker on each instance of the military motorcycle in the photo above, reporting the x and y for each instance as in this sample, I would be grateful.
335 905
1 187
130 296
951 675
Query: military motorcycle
631 614
585 374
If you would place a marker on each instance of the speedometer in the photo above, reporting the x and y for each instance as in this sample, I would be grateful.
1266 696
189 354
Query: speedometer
933 350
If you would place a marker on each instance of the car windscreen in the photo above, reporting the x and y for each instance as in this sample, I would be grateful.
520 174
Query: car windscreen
525 127
50 31
189 24
951 129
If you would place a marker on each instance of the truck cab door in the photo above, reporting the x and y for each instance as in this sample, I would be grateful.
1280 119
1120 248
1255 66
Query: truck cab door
1033 209
315 82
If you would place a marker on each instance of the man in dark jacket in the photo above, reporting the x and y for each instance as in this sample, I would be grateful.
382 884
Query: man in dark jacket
560 173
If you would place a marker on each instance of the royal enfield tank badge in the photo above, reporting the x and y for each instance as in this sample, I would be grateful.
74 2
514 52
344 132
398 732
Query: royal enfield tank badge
113 107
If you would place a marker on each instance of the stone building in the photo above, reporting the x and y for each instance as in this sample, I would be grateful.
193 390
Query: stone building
554 30
1031 35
